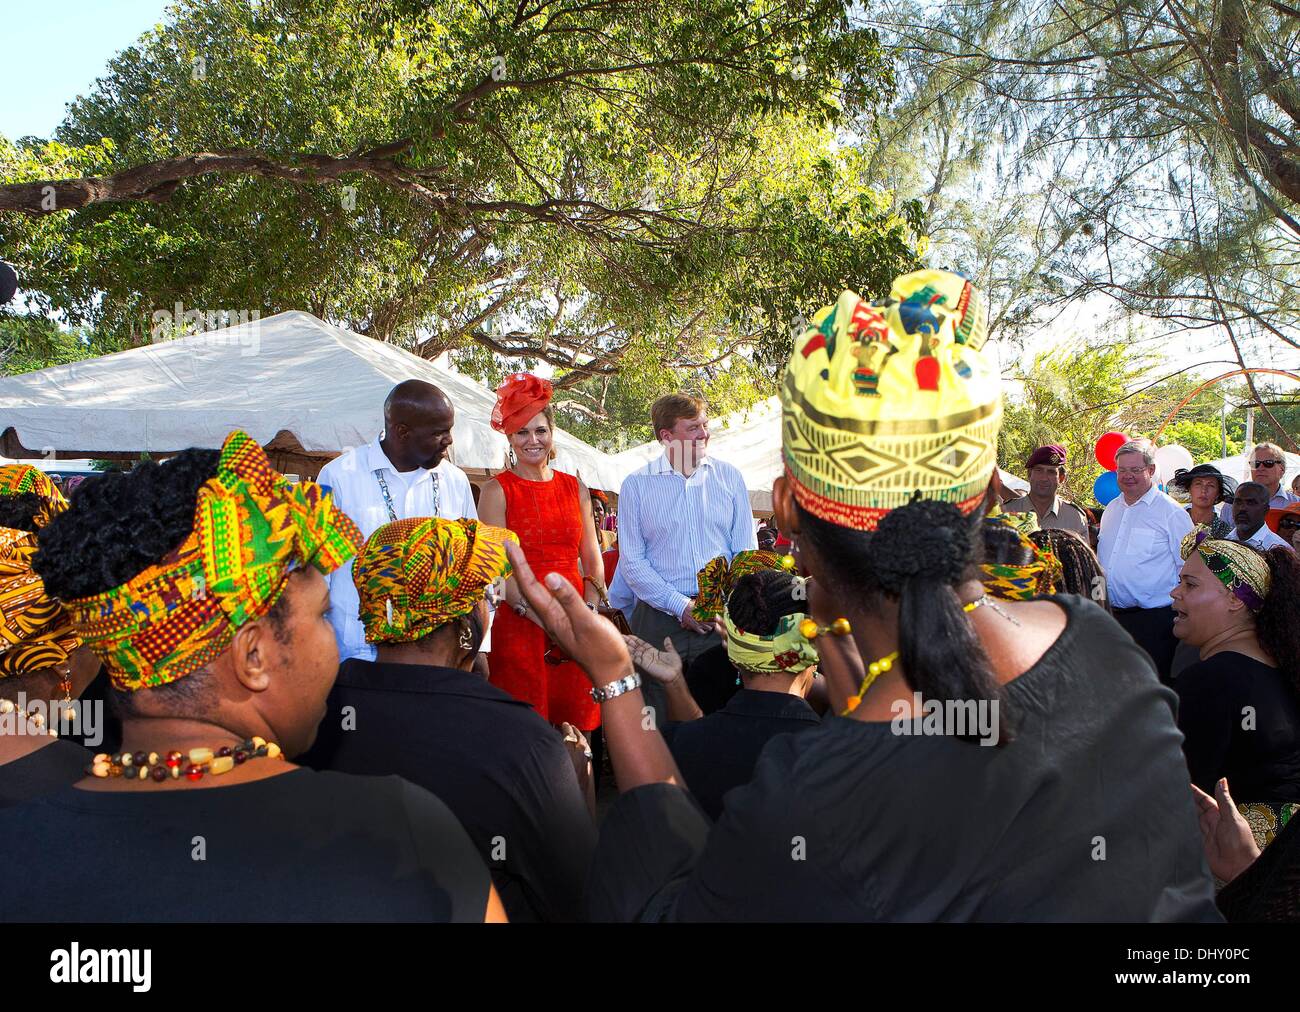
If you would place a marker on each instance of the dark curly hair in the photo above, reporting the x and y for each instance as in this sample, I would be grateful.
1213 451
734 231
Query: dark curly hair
1002 545
917 556
1275 624
759 600
119 525
19 511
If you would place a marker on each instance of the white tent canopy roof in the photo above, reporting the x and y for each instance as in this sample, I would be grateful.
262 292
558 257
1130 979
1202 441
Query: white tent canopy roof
287 373
750 440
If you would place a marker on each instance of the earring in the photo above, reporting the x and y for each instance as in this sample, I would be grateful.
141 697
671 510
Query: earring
65 686
466 637
787 561
810 630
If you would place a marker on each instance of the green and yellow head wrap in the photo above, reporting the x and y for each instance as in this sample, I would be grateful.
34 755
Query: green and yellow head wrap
1238 567
252 526
718 576
884 401
415 575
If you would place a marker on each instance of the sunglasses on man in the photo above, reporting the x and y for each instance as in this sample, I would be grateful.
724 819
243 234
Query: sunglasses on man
1289 524
1267 463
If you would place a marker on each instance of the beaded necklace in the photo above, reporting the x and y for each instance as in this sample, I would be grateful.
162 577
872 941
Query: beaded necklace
173 765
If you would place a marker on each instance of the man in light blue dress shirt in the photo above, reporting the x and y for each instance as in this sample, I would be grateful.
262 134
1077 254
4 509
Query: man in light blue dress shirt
674 515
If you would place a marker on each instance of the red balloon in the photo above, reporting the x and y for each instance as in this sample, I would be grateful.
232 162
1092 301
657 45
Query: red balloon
1106 447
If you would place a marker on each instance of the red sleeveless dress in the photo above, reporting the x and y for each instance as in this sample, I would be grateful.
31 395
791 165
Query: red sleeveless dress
547 516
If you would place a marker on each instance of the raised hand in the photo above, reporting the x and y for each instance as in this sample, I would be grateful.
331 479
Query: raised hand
589 639
1230 846
664 666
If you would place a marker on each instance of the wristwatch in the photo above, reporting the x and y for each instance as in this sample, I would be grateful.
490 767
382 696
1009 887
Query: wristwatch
625 684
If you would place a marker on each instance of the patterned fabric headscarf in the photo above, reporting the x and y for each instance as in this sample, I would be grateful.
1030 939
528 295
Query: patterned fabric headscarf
417 574
35 630
885 401
1020 583
18 479
1238 567
785 651
718 576
251 528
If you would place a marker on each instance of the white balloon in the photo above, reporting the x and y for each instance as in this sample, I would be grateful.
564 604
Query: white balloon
1170 459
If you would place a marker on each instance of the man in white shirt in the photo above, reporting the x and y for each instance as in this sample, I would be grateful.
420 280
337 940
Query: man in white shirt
1142 531
675 515
1267 468
403 473
1249 511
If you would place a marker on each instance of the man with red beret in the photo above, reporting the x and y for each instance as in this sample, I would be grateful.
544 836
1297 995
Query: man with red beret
1045 470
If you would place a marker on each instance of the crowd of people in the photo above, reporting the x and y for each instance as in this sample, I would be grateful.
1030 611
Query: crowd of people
388 694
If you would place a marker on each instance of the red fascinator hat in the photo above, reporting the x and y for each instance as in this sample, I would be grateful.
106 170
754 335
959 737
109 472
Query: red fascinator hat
520 397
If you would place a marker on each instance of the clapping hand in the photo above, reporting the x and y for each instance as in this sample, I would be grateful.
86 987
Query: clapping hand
588 638
664 666
1230 846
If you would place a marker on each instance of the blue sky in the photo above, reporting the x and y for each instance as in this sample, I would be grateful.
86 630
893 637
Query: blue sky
51 53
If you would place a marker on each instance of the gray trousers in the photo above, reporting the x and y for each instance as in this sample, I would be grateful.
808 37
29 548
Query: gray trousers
653 625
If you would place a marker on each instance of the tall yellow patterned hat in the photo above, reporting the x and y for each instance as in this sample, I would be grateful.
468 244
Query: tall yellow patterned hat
884 401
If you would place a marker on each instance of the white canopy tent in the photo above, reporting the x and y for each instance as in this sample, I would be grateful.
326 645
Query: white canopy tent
751 440
299 386
1238 467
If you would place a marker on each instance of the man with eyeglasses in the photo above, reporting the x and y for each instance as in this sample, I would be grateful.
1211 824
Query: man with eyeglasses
1268 468
1142 531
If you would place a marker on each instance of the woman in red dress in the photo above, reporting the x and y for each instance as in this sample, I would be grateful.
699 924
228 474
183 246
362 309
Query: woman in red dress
551 513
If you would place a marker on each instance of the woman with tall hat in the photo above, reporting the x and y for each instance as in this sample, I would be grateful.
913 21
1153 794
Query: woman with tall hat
982 768
550 511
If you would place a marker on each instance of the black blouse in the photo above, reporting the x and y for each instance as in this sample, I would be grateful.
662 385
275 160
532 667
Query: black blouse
1085 815
497 765
718 752
50 768
299 846
1261 759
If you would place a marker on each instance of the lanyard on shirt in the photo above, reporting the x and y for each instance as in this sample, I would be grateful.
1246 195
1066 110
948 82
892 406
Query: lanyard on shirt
388 498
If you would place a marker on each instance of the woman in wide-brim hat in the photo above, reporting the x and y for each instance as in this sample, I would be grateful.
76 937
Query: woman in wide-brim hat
1206 486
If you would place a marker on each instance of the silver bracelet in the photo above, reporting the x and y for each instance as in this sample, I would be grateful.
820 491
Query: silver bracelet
625 684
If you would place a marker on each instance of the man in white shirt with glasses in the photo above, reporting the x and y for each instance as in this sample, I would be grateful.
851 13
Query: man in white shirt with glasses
1268 468
402 473
1140 547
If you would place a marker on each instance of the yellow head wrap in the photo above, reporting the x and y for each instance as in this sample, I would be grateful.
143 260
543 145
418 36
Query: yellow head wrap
888 400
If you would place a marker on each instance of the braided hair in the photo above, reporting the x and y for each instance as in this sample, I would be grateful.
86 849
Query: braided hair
1275 624
760 600
918 555
1081 571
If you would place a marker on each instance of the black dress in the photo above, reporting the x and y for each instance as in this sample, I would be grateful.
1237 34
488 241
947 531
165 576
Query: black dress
718 752
1215 698
850 821
496 764
50 768
300 846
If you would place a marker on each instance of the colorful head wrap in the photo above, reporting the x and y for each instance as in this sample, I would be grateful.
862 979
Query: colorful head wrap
19 479
1238 567
1020 583
786 650
520 397
251 528
35 630
890 400
718 576
417 574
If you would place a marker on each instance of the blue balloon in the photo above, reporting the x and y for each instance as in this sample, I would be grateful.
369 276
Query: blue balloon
1106 487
